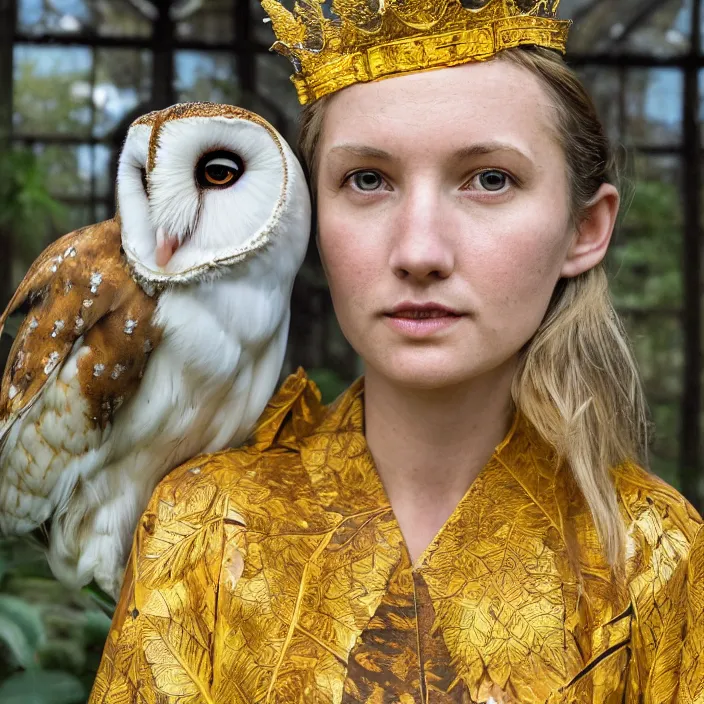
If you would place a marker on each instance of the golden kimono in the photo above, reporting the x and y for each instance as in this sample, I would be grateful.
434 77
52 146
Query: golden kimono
278 573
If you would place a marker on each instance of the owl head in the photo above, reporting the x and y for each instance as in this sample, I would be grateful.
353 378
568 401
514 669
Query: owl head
202 187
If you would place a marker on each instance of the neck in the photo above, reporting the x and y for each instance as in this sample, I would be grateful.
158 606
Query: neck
430 445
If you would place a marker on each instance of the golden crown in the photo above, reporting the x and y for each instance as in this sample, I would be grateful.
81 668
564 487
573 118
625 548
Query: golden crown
336 43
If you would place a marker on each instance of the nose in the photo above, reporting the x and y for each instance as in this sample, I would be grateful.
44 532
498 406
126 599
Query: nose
421 248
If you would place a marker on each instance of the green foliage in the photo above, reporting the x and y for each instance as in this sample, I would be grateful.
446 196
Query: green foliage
27 210
43 687
647 255
45 100
51 637
21 630
646 284
330 384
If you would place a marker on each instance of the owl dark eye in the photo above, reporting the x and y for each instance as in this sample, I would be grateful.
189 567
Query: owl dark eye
219 169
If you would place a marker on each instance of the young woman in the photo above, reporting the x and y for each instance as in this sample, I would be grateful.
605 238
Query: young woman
470 522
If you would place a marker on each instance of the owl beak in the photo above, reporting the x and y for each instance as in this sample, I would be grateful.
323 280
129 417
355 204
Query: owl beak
166 245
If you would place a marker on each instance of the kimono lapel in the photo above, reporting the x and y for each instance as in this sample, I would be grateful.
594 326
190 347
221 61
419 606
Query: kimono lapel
500 581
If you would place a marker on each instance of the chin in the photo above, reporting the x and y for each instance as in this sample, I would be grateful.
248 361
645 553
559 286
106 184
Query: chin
426 369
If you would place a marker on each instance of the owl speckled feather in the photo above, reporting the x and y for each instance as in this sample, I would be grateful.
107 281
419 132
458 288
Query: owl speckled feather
153 336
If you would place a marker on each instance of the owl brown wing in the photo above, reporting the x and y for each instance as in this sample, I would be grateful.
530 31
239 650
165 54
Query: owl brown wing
78 292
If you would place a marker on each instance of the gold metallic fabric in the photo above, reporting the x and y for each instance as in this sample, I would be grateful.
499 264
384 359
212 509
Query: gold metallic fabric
356 41
278 573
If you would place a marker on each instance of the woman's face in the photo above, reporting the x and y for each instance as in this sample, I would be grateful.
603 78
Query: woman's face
444 219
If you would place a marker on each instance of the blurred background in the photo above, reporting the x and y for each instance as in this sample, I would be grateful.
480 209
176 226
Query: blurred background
75 73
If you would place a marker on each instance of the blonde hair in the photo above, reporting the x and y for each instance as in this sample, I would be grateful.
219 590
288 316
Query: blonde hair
577 381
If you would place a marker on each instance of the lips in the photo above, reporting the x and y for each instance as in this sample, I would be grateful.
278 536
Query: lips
420 311
420 320
423 314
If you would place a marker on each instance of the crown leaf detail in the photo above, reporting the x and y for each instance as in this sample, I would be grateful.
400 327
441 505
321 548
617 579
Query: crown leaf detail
336 43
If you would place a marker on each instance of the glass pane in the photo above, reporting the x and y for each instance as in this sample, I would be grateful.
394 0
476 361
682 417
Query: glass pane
654 102
103 212
262 31
121 18
275 88
57 17
101 168
73 171
51 90
122 82
571 9
665 32
645 259
116 18
701 103
205 20
658 344
32 222
77 216
661 28
665 445
206 76
645 265
604 86
67 168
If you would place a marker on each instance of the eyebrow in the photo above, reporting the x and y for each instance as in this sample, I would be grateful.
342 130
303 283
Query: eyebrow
481 149
361 150
487 148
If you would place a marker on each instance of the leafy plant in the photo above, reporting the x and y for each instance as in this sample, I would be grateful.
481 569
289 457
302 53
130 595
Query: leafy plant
51 637
329 383
44 687
646 273
27 209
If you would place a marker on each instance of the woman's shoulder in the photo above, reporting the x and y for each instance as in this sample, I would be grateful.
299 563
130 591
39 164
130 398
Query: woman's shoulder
293 414
198 507
652 505
665 572
663 529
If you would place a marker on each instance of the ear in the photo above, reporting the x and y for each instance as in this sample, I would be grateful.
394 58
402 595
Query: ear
594 232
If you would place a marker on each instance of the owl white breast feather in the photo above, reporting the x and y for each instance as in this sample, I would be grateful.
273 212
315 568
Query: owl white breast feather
151 337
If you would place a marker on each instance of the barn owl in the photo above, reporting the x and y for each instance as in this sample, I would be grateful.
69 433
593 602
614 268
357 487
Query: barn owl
151 337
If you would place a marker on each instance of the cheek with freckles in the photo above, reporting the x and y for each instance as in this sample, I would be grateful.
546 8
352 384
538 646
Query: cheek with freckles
515 279
506 269
353 263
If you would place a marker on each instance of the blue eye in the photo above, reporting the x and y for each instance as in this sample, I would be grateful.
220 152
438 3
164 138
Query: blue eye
367 180
493 180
